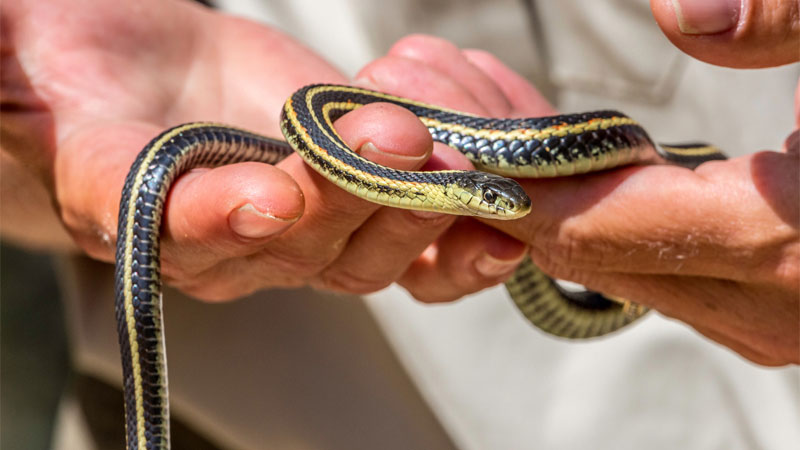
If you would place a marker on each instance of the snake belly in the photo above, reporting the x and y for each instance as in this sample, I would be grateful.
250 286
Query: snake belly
533 147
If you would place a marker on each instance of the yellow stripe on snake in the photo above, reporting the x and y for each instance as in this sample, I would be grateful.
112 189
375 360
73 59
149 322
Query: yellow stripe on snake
533 147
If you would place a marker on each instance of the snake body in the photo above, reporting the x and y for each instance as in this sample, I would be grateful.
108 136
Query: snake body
533 147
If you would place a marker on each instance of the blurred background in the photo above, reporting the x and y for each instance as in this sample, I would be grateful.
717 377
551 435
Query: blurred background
33 348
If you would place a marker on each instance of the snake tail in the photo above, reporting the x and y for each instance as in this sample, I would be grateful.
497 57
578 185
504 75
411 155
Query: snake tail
138 278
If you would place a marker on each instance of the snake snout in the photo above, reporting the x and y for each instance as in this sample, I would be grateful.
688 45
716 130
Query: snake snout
494 196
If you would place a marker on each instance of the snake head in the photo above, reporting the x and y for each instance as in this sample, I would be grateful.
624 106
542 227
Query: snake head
492 196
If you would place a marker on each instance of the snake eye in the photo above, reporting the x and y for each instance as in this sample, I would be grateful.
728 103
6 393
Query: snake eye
489 197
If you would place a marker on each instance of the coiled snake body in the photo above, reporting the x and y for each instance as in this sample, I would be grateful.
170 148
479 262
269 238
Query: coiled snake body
534 147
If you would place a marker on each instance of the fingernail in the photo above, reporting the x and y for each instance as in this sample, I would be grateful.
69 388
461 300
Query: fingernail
249 222
373 153
706 16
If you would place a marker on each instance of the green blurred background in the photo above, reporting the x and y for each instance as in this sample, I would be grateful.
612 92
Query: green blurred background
33 348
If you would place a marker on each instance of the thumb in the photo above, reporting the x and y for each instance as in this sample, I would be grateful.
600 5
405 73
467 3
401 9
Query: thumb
733 33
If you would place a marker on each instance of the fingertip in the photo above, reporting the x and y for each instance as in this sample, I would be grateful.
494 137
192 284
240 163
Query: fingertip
387 134
469 257
446 58
732 33
523 96
421 46
245 200
485 61
88 180
415 79
706 16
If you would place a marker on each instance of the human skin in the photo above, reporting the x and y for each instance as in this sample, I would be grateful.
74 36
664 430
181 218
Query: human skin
79 90
726 263
86 84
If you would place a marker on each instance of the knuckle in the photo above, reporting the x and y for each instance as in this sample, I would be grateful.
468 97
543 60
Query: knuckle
349 282
329 212
576 245
556 268
787 272
299 264
561 248
97 240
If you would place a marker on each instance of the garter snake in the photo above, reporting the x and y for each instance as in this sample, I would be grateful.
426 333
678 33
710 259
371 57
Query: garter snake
531 147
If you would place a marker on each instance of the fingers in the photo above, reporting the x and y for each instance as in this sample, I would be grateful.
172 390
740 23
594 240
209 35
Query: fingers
333 220
416 80
209 214
234 229
446 58
90 169
663 219
468 258
761 323
733 33
386 134
743 348
525 100
716 247
216 219
251 204
480 76
380 251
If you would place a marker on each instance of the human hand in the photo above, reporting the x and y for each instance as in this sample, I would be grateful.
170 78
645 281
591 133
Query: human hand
82 96
733 33
716 247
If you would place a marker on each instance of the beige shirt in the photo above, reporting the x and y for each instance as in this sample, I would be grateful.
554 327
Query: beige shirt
306 370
